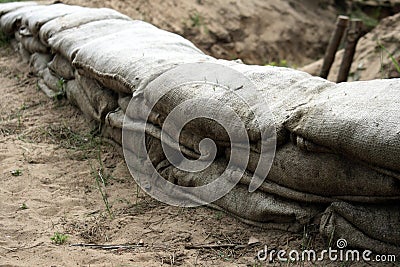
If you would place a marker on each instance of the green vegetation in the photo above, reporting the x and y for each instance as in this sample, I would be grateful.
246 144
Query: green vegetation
59 238
16 172
391 56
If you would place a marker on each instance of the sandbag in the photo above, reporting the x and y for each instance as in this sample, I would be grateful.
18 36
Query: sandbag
8 7
62 67
326 174
137 56
93 100
374 228
53 82
46 90
38 62
33 45
76 19
35 19
24 54
11 21
68 42
358 119
283 89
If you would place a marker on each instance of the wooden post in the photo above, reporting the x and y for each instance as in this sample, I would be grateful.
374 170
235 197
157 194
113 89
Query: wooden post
352 37
334 42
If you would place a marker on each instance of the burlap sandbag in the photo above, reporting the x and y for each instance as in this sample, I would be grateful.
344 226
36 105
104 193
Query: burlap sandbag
76 19
11 21
52 81
68 42
8 7
375 228
24 54
258 207
62 67
38 62
285 89
46 90
358 119
93 100
33 45
130 59
35 19
326 174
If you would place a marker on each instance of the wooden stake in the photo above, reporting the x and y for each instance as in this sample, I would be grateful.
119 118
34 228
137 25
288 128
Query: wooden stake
334 42
352 37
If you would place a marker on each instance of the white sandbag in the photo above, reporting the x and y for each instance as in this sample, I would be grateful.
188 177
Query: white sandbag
68 42
33 45
38 62
130 59
35 19
93 100
11 21
8 7
62 67
358 119
76 19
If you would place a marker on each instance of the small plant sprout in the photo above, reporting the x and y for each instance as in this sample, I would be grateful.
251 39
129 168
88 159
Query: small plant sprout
16 172
23 207
59 238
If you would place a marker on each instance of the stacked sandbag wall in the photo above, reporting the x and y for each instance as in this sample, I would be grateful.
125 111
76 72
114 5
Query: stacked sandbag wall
337 160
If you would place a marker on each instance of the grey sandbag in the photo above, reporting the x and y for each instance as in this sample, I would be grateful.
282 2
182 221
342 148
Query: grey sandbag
62 67
113 126
93 100
52 81
358 119
326 174
364 227
68 42
8 7
283 89
45 89
33 45
11 21
38 62
128 60
24 54
34 20
76 19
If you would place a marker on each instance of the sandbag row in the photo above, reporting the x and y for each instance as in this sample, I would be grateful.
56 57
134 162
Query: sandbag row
338 146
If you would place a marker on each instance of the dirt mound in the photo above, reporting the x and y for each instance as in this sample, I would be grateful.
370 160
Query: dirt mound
257 31
377 55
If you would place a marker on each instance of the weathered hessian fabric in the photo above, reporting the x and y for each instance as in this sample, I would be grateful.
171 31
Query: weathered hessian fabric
337 159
